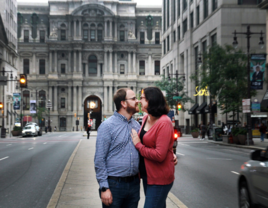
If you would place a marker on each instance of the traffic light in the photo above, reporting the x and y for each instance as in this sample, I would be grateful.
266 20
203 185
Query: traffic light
1 105
176 135
179 107
23 81
74 114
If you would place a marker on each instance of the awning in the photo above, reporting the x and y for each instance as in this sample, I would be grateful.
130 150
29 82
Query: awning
264 102
207 109
9 112
193 109
201 108
214 108
27 118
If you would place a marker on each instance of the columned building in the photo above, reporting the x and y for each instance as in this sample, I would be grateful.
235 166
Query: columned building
189 29
79 53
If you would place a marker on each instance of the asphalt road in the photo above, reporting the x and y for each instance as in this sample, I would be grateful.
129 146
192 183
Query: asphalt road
206 174
30 168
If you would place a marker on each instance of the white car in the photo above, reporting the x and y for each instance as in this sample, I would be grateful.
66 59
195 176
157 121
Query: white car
29 130
37 127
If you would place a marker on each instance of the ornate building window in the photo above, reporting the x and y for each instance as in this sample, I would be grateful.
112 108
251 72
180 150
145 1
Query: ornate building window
122 69
157 38
62 124
62 103
42 36
42 99
122 33
92 64
62 68
142 68
42 66
141 37
62 32
26 36
92 32
157 67
26 100
100 29
26 66
85 31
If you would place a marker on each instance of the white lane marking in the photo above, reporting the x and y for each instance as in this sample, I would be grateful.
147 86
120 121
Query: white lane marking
180 154
214 158
4 158
30 148
60 135
9 145
45 143
235 172
183 144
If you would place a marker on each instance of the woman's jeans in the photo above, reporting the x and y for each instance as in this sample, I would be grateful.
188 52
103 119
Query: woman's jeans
262 136
155 195
125 194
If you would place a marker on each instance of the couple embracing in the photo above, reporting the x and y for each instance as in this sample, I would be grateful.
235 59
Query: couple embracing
127 152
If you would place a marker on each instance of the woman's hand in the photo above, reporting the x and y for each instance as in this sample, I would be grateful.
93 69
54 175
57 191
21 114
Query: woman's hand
135 137
175 159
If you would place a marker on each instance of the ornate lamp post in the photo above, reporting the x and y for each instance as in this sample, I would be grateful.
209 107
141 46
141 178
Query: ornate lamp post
248 34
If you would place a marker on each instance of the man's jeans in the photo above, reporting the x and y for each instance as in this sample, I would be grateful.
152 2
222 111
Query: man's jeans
155 195
125 194
262 136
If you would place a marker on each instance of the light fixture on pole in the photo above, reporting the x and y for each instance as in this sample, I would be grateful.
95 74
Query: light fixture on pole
248 34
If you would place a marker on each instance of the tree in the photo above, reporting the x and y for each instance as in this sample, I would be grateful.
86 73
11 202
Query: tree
40 113
224 72
171 88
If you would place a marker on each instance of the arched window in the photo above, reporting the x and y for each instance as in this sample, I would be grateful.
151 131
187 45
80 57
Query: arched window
92 64
26 100
42 99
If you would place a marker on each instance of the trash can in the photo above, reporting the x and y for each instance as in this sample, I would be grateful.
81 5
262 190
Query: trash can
217 132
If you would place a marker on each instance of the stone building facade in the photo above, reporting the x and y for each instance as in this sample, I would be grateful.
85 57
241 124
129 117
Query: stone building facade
78 52
8 61
189 29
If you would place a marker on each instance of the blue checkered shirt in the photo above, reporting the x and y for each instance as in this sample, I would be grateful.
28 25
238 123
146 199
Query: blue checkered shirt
115 153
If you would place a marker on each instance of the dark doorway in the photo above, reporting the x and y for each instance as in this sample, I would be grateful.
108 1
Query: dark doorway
92 111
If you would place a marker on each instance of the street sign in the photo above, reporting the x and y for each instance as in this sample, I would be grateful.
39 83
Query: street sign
3 116
49 105
246 105
176 97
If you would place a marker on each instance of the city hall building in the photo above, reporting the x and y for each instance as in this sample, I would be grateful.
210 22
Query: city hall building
76 54
191 27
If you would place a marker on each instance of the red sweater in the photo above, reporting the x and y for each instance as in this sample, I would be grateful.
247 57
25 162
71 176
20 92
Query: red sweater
157 151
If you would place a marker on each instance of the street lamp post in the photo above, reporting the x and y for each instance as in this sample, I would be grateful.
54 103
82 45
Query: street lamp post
49 105
248 34
177 93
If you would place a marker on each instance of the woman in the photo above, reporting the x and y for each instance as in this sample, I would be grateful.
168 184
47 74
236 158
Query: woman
154 143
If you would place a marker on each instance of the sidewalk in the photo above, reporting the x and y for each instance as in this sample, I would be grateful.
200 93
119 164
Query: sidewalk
78 187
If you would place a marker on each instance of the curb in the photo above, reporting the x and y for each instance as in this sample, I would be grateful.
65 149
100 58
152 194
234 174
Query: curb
57 192
176 201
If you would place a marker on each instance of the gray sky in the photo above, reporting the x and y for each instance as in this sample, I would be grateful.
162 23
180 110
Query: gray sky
139 2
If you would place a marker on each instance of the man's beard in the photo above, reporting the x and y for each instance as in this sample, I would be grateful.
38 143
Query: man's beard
131 110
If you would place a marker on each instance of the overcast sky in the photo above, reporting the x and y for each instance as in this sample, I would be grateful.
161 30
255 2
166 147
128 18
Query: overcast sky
139 2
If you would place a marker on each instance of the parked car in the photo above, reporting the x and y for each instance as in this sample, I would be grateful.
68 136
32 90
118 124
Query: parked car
29 130
39 130
253 180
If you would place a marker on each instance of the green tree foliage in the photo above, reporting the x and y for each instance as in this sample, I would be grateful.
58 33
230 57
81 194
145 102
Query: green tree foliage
224 72
40 113
170 87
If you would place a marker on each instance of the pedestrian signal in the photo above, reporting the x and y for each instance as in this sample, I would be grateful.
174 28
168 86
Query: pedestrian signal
74 114
23 81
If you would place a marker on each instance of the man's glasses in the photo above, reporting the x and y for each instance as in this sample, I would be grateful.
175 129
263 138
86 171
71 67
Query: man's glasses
133 98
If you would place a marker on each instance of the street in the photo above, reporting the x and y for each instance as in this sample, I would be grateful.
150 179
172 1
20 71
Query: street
206 174
30 167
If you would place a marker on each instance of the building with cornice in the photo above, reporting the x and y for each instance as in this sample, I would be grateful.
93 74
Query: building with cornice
76 53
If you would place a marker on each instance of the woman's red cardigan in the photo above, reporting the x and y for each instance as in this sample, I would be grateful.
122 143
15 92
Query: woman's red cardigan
157 151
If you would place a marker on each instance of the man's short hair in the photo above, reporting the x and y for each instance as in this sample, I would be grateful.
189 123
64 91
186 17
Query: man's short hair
119 96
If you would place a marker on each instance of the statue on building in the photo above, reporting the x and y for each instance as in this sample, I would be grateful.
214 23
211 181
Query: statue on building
53 33
131 31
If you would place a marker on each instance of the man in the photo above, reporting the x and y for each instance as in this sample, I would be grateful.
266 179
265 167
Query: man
257 75
16 104
116 158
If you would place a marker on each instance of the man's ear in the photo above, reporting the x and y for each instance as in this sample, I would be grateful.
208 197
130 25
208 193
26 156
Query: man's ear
123 104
